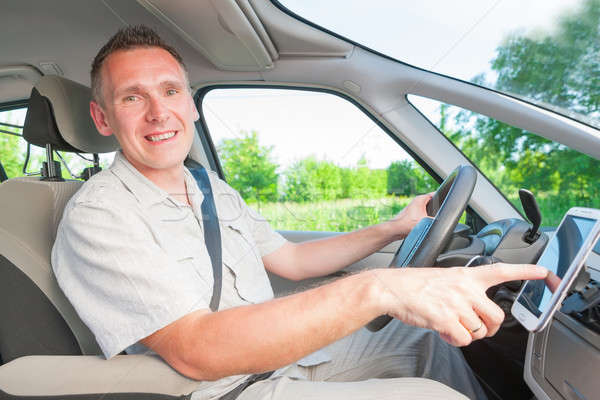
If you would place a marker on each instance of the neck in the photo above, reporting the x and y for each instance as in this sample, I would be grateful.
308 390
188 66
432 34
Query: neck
171 180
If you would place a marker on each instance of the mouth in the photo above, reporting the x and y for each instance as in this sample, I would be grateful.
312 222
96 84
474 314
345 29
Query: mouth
160 137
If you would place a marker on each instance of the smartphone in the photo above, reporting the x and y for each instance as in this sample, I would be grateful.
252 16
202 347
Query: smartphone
563 257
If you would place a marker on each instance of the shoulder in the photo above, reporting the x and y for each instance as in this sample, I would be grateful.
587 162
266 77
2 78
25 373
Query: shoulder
102 193
219 185
104 187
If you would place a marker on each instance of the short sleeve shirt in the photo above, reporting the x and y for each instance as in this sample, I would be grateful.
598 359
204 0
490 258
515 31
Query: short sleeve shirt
131 259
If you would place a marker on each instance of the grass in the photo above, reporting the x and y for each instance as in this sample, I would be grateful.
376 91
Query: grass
334 216
349 214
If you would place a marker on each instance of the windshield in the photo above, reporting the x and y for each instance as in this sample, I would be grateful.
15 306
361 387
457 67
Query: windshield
545 51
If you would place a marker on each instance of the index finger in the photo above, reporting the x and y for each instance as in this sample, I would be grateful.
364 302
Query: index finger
495 274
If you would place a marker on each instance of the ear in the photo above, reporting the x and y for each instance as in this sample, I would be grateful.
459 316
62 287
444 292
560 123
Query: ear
100 120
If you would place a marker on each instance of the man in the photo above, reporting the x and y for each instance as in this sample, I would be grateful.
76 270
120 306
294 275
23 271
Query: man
130 257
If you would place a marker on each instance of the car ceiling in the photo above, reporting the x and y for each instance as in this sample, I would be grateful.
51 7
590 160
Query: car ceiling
218 39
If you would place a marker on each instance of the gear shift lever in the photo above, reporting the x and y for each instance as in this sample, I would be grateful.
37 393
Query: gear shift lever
533 213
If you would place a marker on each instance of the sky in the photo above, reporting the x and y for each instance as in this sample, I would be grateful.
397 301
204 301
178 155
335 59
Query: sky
456 38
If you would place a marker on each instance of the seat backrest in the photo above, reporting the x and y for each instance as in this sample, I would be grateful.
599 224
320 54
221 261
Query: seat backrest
35 316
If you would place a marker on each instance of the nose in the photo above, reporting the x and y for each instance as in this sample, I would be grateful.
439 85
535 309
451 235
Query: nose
156 112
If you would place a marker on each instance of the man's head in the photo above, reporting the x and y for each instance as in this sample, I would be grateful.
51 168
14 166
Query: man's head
128 38
141 95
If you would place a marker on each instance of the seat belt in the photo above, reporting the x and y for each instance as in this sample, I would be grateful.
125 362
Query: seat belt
212 239
212 233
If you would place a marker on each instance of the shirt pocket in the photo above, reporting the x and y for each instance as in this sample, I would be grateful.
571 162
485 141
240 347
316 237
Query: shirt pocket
241 256
189 267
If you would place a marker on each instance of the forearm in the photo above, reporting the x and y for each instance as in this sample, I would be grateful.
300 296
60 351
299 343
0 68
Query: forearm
267 336
325 256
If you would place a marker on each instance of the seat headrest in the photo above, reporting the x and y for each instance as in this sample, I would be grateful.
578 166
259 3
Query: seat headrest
59 114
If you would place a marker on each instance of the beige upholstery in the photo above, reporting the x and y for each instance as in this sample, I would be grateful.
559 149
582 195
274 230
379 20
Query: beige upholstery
63 375
30 210
71 108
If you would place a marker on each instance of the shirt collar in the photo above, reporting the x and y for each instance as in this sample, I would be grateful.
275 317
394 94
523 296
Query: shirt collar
146 191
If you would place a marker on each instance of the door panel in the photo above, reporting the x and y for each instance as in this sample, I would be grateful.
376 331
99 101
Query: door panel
282 286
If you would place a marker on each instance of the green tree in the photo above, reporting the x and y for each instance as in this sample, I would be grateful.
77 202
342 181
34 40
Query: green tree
401 179
561 68
406 178
361 182
310 179
10 155
249 167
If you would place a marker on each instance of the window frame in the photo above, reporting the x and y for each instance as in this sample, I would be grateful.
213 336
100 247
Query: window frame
473 218
473 164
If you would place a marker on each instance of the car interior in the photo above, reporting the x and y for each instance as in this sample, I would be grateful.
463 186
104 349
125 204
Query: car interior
47 352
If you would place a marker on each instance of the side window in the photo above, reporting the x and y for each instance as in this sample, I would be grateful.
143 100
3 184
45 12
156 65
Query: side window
310 160
13 151
513 158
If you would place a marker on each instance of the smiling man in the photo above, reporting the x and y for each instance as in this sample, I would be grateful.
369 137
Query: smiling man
130 257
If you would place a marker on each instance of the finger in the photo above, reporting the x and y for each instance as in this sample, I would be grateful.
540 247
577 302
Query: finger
474 325
456 334
424 200
495 274
421 200
552 281
491 315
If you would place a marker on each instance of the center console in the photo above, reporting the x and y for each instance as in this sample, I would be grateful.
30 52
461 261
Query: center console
563 360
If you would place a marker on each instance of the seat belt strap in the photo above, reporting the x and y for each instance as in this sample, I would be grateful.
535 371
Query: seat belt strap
212 233
212 238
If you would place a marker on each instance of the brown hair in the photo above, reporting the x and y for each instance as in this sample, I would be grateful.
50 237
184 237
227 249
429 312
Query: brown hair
128 38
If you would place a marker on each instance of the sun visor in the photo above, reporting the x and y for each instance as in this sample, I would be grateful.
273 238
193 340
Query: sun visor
230 36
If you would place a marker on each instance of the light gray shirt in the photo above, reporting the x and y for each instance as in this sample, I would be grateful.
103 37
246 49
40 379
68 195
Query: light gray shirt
131 259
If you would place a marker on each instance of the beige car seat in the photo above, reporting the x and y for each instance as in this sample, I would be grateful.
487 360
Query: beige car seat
45 348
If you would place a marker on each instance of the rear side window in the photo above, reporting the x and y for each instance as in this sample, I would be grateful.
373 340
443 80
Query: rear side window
14 151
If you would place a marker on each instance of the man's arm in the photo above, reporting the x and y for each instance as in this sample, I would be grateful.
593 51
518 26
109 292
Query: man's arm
315 258
263 337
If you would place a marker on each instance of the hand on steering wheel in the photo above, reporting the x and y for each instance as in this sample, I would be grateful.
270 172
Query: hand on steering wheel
431 235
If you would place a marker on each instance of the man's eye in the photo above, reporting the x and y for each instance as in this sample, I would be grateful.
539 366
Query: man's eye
130 99
171 92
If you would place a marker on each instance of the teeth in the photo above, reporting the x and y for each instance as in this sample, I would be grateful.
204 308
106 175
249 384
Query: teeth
163 136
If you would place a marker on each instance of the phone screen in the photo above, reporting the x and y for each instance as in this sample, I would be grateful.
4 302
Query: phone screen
557 257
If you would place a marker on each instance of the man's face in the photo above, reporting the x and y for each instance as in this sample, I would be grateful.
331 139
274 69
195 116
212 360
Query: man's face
148 107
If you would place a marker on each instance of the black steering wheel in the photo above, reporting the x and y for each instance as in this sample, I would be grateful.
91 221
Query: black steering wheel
430 236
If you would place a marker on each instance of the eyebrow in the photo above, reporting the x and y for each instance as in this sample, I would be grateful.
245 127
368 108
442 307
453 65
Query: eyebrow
176 84
138 89
129 89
